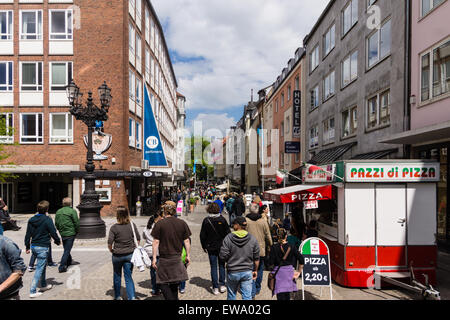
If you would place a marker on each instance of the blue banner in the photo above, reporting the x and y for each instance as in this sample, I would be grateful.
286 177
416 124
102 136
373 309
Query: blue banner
153 149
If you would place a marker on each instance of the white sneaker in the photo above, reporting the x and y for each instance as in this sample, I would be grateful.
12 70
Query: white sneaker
35 295
223 289
46 288
215 291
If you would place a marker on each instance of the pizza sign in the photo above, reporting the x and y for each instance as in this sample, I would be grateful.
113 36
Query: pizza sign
406 172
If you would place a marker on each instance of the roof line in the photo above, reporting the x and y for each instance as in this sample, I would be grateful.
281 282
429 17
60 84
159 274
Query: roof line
319 21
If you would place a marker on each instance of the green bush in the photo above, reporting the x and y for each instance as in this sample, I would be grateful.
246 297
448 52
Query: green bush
192 200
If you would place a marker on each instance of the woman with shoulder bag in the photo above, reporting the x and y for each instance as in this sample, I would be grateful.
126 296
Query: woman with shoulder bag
121 244
282 280
147 236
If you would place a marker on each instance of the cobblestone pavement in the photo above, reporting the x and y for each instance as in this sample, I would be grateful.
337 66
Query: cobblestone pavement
92 278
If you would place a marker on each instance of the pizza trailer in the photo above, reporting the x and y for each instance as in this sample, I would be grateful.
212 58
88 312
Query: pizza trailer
377 217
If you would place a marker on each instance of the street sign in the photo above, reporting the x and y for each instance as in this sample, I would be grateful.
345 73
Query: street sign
316 270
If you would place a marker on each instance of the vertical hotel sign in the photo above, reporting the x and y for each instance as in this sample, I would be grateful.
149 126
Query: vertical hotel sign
296 117
153 149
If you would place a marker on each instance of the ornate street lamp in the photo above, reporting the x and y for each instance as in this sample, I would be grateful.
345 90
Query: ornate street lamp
91 225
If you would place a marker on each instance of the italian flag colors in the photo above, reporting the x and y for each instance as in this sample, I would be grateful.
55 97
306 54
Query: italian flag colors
314 247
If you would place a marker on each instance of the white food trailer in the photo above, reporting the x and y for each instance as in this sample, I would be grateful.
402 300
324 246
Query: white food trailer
379 218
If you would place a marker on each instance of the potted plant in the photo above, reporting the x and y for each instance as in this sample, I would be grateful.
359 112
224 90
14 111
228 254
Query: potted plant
192 204
197 200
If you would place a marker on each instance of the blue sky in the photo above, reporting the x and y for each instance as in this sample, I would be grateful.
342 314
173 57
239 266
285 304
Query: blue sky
221 50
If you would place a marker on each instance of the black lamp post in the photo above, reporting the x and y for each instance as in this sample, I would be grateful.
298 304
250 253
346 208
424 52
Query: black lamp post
91 225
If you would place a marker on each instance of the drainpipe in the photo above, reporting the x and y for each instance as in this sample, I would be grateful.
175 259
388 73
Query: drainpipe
407 86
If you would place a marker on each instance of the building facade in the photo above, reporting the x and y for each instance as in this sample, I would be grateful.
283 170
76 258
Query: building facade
44 44
355 81
429 134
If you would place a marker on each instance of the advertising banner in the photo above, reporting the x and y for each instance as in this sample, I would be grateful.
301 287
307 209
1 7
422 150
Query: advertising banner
153 149
296 117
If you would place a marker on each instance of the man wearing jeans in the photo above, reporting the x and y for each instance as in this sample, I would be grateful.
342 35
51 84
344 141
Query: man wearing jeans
258 227
39 230
67 223
240 250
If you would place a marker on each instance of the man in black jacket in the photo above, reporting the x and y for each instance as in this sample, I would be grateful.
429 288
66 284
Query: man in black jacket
238 207
39 230
214 229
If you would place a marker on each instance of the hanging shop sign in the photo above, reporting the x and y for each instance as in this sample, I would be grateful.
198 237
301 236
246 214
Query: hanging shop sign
101 142
392 172
313 204
313 194
296 117
291 147
316 270
327 174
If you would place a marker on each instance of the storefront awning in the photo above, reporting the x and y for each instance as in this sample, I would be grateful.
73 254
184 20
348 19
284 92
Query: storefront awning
300 193
331 155
374 155
423 135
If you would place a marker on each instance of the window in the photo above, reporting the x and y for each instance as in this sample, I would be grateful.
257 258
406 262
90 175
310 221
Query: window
350 122
132 43
297 157
282 100
132 85
379 44
328 86
131 7
287 125
276 106
132 133
61 128
315 97
6 76
60 75
6 128
329 40
289 93
147 25
436 72
139 14
297 83
138 53
31 128
428 5
282 128
328 131
314 137
61 25
31 25
370 2
6 25
138 136
350 69
349 16
31 76
314 58
147 65
378 110
138 91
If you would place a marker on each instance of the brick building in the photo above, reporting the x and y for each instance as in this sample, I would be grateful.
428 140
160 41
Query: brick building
46 43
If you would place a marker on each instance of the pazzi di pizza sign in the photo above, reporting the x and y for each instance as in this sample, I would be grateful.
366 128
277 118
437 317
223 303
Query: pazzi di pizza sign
392 172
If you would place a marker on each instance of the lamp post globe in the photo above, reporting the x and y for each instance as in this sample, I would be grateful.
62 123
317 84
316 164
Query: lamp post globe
91 224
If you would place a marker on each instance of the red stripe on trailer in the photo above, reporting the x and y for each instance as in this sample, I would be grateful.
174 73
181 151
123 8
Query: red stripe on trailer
391 256
359 257
422 256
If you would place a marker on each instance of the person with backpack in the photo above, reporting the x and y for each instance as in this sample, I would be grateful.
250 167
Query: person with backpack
229 206
214 229
37 240
285 257
147 236
121 244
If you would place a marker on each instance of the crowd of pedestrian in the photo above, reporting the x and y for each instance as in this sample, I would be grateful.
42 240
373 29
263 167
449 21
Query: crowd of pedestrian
239 250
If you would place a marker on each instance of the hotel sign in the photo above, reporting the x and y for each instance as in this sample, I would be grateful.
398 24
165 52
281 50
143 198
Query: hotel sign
392 172
297 105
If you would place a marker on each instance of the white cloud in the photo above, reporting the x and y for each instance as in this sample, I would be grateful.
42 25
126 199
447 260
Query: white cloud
244 45
212 124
